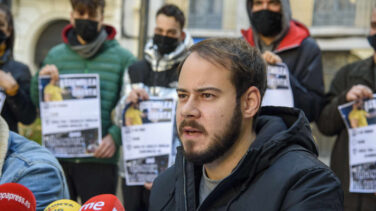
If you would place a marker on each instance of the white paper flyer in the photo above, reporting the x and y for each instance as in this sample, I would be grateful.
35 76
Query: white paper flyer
71 114
147 135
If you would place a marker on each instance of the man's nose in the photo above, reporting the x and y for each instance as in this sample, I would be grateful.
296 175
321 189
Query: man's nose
190 109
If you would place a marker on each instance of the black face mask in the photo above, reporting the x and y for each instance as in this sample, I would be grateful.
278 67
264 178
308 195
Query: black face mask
267 23
165 44
372 41
87 29
3 36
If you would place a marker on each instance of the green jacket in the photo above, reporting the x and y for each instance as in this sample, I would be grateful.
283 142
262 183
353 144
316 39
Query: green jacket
109 62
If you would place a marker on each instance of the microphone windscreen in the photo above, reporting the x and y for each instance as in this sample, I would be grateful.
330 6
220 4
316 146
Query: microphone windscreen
103 202
63 205
14 196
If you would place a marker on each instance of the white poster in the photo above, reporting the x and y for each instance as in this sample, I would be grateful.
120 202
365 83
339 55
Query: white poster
71 114
2 99
278 91
360 120
147 135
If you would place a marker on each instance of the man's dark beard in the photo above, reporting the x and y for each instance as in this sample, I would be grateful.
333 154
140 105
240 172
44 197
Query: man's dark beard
218 145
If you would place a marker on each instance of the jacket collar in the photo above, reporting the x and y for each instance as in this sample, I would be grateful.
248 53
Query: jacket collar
294 37
4 136
364 68
111 32
365 71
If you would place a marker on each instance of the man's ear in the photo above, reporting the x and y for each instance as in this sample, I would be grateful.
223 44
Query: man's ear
182 36
250 102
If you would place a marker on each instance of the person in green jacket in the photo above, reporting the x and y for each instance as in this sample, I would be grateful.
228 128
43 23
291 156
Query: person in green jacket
89 47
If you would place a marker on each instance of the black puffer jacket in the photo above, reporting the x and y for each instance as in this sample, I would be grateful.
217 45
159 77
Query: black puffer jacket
279 172
18 108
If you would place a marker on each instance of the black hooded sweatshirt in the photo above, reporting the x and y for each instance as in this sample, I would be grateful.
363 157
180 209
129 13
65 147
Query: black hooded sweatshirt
280 171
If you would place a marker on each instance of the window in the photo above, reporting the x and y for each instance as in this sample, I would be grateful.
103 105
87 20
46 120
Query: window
205 14
334 13
7 2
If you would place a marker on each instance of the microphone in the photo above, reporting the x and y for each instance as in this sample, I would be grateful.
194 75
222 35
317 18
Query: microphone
103 202
14 196
63 205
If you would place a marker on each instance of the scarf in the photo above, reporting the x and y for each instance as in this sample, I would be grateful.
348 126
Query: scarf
90 49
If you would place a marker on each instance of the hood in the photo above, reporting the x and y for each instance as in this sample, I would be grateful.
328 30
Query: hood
277 129
296 34
111 32
286 18
166 62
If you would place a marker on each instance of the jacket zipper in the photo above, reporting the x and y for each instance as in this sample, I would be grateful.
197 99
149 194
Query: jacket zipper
185 190
153 88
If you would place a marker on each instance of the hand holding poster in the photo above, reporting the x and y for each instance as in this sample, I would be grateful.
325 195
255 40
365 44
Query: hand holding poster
360 120
70 114
147 135
278 91
2 99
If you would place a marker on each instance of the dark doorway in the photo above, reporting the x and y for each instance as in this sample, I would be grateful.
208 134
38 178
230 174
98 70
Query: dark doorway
50 37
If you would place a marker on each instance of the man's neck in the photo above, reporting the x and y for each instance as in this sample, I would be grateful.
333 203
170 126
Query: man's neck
266 40
223 166
374 57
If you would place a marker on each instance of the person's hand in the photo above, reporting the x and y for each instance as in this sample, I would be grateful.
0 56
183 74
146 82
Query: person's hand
8 83
358 92
271 58
50 70
148 185
137 94
106 149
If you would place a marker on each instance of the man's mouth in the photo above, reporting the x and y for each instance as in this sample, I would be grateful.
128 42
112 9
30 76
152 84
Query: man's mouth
191 131
191 128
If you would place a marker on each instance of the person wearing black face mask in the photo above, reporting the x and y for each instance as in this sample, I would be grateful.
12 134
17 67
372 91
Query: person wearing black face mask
165 44
283 40
14 77
155 75
353 82
89 47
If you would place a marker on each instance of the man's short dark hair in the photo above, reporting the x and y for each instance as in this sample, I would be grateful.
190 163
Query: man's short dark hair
171 10
90 6
246 64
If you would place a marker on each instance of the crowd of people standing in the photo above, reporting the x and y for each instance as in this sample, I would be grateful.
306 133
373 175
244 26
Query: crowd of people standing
232 153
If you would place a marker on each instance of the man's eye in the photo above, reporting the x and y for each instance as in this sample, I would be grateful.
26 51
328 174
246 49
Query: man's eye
207 95
182 96
257 2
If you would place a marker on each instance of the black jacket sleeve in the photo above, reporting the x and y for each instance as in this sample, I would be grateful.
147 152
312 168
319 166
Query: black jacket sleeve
330 121
20 104
306 77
